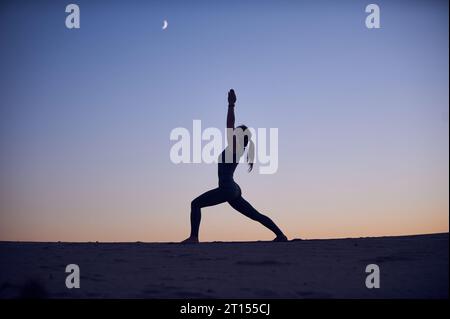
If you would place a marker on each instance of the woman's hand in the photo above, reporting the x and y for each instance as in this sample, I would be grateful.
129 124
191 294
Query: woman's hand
231 97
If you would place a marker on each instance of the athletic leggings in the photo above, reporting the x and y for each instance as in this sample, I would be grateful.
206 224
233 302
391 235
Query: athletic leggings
230 193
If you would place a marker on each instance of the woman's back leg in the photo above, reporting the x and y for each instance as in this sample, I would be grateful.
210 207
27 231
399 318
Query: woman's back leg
245 208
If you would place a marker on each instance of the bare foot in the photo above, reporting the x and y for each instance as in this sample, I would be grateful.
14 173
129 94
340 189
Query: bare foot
190 240
280 239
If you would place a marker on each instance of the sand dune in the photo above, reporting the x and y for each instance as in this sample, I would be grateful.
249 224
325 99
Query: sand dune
410 267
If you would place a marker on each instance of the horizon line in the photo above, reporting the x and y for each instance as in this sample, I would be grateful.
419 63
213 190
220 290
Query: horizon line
216 241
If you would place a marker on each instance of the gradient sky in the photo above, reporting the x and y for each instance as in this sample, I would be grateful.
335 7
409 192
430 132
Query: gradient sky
85 117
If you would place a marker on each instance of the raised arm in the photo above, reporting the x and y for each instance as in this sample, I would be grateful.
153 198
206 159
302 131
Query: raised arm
230 116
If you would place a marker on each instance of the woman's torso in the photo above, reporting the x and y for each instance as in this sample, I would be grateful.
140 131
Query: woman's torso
227 163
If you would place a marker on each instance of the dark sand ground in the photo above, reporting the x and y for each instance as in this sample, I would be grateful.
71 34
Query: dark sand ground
410 267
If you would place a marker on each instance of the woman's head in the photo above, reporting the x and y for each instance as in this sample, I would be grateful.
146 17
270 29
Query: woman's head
242 132
244 137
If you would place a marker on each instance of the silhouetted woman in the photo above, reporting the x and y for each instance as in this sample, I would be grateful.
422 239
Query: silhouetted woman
238 140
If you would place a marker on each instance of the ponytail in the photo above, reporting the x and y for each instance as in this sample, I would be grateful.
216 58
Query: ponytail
250 155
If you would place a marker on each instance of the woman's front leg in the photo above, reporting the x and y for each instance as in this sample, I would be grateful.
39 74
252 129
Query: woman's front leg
210 198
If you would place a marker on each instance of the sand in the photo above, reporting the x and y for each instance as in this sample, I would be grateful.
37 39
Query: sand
410 267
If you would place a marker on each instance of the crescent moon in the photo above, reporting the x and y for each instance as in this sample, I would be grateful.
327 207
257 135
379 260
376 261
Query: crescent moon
165 25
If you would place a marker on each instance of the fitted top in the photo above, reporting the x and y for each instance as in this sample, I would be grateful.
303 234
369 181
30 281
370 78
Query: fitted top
227 164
